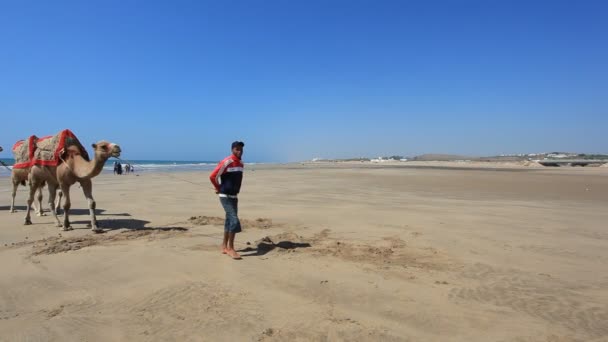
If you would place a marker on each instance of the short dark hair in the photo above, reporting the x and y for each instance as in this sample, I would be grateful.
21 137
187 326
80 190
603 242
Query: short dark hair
238 144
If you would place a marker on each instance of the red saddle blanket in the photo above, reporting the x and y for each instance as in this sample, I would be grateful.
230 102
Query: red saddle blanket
47 151
23 152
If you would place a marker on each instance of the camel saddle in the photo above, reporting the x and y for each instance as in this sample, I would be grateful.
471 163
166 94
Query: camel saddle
23 152
47 151
52 149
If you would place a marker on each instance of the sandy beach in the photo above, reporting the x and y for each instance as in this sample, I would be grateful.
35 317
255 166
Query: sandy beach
330 253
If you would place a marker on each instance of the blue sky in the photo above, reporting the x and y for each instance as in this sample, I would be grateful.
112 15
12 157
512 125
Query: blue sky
303 79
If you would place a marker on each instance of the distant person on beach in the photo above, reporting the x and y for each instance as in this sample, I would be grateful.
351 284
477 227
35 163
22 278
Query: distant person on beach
115 168
132 169
127 169
226 179
119 168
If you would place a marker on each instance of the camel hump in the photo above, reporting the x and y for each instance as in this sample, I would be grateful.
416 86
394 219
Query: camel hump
72 150
69 152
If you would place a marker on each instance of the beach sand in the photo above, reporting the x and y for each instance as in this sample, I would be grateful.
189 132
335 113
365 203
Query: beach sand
330 253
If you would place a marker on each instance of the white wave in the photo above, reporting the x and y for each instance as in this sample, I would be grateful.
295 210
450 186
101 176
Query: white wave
147 167
157 166
166 167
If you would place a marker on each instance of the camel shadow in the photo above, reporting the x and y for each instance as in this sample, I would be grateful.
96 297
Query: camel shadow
98 212
130 224
111 224
8 207
266 246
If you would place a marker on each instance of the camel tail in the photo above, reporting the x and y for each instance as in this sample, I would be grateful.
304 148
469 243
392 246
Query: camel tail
22 182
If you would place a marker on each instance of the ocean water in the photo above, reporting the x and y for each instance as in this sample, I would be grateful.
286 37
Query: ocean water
142 166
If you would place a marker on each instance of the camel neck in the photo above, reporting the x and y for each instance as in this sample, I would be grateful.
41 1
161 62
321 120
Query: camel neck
86 169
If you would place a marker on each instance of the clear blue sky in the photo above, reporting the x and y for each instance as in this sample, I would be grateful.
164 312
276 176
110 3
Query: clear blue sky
303 79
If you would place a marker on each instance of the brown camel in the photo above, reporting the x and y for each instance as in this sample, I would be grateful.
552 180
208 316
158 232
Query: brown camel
20 176
73 168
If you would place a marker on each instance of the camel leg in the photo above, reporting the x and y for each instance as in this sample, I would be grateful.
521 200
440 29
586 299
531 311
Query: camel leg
52 194
58 203
39 210
15 186
33 188
67 203
87 189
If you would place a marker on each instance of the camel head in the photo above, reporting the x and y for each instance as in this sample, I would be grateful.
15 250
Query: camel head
106 150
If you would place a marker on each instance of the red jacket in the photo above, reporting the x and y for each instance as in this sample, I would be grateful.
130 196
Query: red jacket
228 176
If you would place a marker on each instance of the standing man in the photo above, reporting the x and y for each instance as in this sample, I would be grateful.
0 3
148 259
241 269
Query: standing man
226 179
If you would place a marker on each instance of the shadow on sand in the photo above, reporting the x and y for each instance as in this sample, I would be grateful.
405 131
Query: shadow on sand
130 224
17 207
266 245
98 212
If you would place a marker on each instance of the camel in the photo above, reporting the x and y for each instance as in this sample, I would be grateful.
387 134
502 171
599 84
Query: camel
20 176
72 168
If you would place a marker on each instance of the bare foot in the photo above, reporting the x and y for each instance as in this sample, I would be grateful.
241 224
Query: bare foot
224 250
233 254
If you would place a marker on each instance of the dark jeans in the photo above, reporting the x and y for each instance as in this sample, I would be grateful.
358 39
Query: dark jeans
231 207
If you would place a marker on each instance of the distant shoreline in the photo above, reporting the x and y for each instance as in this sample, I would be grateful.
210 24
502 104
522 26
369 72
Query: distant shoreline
159 167
145 166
